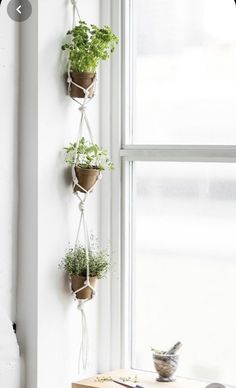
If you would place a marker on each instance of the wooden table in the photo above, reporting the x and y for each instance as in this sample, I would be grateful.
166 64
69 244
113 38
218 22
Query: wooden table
144 378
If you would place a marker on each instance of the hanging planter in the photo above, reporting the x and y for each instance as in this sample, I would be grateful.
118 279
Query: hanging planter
78 282
86 81
87 160
87 178
87 45
76 264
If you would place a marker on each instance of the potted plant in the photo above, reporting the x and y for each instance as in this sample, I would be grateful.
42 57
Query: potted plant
87 46
75 265
89 159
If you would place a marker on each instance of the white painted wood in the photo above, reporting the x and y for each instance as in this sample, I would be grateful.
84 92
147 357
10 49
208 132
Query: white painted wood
111 214
105 317
116 334
126 252
26 316
9 73
224 154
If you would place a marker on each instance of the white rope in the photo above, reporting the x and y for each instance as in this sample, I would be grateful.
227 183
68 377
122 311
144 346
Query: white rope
75 12
83 222
87 98
75 183
78 231
84 346
87 246
86 91
84 119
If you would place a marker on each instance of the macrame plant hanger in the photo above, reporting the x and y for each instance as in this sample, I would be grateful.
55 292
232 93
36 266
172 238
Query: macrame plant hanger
82 197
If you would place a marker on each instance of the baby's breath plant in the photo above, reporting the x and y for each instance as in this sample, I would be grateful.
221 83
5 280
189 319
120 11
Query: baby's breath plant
87 155
75 263
88 45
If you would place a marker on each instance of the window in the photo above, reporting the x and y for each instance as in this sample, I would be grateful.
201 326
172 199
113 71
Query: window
184 71
179 189
185 266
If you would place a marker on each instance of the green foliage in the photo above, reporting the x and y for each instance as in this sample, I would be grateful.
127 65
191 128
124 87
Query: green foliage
88 45
124 379
132 379
75 263
87 155
103 379
157 351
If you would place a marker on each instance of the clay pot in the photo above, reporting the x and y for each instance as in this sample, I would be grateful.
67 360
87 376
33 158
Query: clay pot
78 282
84 80
166 365
86 177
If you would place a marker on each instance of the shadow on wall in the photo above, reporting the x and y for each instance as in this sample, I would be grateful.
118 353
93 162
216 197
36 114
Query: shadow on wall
205 372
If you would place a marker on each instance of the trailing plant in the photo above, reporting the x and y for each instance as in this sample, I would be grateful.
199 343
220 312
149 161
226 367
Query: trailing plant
88 45
87 155
75 262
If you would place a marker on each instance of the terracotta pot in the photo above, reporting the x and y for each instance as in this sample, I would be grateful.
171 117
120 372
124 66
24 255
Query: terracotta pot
87 178
78 282
84 80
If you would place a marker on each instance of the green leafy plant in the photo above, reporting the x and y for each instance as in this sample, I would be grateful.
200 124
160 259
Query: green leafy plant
87 155
75 262
88 45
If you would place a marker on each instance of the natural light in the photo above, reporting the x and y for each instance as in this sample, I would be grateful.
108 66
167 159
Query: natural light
185 84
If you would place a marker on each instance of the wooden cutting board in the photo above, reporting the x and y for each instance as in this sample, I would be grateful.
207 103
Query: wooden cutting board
144 378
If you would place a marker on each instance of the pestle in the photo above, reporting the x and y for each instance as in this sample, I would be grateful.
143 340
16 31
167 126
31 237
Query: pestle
174 348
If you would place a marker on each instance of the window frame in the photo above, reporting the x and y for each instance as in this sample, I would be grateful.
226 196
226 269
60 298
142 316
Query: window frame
116 220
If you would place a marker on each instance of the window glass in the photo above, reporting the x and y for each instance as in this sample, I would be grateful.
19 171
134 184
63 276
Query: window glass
184 269
184 72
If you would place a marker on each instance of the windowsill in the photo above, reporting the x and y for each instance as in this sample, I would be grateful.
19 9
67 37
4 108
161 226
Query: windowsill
145 378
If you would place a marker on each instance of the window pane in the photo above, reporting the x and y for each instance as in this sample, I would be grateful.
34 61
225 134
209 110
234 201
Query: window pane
185 266
184 72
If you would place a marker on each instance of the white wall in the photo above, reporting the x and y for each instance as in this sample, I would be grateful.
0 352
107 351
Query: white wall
48 323
58 319
8 158
27 281
9 351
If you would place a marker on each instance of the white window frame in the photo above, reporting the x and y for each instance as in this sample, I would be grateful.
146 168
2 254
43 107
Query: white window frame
115 334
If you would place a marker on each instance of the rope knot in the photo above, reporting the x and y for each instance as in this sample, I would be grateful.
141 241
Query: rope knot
82 108
82 206
80 305
69 80
74 2
86 93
